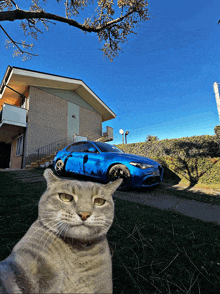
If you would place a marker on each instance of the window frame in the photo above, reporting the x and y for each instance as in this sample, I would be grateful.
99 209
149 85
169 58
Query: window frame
19 145
80 144
92 145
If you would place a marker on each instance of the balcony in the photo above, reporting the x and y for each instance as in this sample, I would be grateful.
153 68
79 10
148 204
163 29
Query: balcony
13 115
107 135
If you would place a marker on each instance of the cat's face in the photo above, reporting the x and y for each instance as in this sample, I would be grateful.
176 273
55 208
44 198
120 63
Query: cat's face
82 211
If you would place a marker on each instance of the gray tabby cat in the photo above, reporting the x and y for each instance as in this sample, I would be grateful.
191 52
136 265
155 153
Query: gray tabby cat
66 249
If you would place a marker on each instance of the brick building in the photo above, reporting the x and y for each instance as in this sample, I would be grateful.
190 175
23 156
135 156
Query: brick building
39 109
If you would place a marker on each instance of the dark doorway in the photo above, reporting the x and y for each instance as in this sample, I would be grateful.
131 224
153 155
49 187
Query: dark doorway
5 153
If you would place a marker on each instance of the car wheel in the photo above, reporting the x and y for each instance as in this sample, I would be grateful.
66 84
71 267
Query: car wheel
59 167
120 171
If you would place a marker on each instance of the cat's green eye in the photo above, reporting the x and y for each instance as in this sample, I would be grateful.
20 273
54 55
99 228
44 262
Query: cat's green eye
65 197
99 201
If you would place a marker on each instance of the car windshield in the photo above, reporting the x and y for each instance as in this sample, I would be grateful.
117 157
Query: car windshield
103 147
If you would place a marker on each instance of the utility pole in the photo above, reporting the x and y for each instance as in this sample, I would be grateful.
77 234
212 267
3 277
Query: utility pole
217 98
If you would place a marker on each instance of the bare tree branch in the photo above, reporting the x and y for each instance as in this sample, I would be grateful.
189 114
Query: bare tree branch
112 31
22 14
17 43
14 4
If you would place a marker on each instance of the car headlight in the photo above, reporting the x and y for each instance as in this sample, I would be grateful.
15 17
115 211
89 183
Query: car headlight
141 165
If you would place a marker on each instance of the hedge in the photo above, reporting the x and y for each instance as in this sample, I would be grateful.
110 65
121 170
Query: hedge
195 160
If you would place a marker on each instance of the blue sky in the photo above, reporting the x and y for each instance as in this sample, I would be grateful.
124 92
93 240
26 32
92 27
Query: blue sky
162 83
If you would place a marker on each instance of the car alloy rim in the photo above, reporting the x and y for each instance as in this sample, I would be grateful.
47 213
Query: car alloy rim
119 173
59 166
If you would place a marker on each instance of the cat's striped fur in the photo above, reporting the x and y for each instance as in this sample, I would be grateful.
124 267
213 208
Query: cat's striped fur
66 249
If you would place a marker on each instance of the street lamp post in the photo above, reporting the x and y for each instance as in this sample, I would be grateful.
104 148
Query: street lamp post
122 133
126 133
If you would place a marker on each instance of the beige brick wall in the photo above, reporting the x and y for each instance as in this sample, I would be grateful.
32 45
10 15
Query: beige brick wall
90 124
47 122
47 119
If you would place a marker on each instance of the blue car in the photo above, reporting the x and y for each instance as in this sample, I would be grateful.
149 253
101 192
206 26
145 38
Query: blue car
107 163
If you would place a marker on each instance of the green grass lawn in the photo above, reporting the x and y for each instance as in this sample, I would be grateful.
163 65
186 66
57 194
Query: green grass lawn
154 251
163 252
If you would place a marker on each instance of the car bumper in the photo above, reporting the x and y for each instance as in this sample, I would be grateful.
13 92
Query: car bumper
146 178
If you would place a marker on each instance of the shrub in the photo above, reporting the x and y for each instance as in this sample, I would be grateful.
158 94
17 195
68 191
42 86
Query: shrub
217 131
194 159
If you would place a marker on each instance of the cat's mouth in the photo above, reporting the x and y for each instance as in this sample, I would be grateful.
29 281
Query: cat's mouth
82 224
86 224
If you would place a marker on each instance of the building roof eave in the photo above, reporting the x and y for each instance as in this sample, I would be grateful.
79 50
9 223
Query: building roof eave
19 79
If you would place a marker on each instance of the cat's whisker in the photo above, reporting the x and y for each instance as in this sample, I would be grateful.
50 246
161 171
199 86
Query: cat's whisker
61 229
66 231
47 218
57 224
43 228
60 224
40 228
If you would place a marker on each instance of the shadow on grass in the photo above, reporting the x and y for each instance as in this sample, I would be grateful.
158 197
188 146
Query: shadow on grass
170 176
185 157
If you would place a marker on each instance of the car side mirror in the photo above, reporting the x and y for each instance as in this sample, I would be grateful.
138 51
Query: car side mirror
92 150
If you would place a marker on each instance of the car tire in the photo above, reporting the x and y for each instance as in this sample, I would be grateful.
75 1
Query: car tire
120 171
59 167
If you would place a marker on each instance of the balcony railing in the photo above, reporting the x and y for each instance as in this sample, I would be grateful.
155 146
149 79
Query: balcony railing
108 133
13 115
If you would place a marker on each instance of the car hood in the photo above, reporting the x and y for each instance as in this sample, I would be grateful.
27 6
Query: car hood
136 158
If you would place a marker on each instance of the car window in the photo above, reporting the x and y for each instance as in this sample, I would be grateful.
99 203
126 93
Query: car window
86 147
76 147
103 147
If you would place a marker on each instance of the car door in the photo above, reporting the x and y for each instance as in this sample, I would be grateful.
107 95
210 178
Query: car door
92 161
74 161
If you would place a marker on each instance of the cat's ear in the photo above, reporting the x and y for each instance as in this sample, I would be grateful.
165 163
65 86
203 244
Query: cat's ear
112 186
49 176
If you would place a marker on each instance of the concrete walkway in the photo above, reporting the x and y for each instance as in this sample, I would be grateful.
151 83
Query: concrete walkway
200 210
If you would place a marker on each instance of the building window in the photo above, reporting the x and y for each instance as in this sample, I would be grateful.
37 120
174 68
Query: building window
19 149
23 103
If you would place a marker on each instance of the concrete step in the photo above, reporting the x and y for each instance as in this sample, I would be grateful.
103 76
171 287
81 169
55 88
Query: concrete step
51 156
34 164
29 167
44 162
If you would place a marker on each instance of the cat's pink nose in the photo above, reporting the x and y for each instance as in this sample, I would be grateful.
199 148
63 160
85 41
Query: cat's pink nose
84 215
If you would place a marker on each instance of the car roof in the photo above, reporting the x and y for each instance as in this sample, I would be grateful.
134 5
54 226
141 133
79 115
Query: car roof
82 142
85 142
